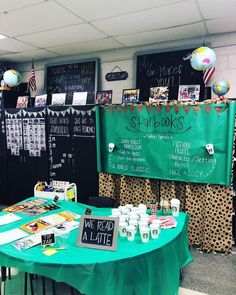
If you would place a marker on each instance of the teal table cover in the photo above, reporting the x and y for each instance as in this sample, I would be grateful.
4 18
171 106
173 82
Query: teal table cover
136 268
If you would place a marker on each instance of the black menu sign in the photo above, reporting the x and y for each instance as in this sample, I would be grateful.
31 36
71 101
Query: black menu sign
98 232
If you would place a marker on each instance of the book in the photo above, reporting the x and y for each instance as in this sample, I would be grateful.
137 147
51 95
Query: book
36 226
11 235
130 95
67 226
104 97
68 215
58 99
25 205
79 98
40 100
22 102
8 218
158 94
30 241
188 92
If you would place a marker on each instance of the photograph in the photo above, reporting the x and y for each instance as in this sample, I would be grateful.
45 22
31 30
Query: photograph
58 99
79 98
22 102
158 93
40 100
189 92
130 95
104 97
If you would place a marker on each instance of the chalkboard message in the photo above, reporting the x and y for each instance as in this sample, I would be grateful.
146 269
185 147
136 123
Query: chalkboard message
167 142
98 232
48 239
166 69
73 77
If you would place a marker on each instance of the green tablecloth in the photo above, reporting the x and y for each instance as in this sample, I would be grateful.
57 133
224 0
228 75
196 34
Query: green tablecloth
134 269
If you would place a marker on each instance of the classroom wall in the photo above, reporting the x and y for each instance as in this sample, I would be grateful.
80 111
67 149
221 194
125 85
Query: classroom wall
223 44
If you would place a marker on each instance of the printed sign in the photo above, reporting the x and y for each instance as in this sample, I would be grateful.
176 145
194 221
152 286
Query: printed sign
48 239
98 232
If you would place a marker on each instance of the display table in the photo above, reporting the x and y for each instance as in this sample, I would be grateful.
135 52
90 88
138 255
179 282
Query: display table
135 268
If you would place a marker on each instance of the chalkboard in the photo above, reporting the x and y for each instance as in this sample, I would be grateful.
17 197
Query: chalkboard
166 69
167 142
98 232
73 77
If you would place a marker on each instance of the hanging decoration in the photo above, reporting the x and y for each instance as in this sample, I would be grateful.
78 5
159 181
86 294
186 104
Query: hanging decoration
12 78
202 58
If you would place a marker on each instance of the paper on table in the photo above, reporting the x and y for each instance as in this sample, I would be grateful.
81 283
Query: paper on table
8 218
12 235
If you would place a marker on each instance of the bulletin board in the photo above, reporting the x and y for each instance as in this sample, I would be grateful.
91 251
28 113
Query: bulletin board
167 141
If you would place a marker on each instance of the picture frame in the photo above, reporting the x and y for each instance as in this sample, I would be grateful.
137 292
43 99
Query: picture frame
104 97
22 102
58 99
79 98
158 94
189 92
130 95
40 100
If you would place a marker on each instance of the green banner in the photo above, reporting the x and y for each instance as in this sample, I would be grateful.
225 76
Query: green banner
191 143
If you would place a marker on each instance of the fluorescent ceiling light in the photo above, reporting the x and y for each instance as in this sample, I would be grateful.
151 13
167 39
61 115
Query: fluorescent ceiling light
2 36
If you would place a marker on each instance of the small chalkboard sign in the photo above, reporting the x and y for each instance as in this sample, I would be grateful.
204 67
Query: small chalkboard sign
98 232
48 239
88 211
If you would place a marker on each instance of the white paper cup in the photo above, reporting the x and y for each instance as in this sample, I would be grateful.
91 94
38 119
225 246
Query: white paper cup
123 218
145 233
125 211
129 206
156 221
122 229
121 207
142 208
144 216
133 216
134 222
175 203
155 230
142 223
130 232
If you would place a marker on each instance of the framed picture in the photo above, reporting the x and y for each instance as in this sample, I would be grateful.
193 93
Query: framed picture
58 99
158 94
40 100
104 97
79 98
189 92
22 102
130 95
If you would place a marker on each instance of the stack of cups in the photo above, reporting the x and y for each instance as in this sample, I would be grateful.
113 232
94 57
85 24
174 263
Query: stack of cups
175 207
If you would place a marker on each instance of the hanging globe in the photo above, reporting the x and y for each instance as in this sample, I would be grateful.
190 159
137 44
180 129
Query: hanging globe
12 78
220 88
202 58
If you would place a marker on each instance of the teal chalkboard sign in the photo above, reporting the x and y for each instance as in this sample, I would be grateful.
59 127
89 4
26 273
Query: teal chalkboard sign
167 142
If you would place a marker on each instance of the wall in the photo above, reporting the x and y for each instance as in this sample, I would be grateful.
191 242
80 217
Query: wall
223 44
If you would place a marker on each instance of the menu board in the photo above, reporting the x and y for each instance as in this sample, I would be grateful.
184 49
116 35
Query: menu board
73 77
83 124
14 132
167 142
59 143
34 136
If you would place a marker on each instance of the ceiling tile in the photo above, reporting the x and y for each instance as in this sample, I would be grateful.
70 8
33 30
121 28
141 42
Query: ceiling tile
36 18
91 46
15 45
162 17
72 34
221 25
108 8
217 8
157 36
28 55
6 5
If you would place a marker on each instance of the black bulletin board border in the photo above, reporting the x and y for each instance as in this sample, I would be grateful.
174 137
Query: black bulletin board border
67 63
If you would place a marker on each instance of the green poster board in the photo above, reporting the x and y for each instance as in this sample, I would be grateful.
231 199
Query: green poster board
167 142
